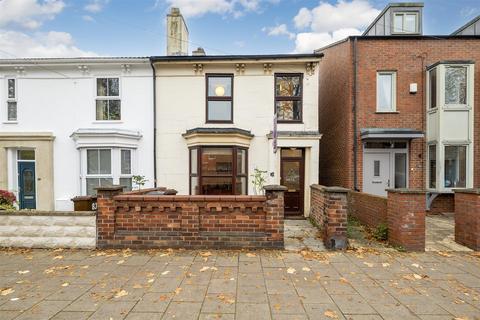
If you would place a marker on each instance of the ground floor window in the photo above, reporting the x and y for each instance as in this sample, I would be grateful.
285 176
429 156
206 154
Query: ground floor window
455 166
104 167
218 170
432 166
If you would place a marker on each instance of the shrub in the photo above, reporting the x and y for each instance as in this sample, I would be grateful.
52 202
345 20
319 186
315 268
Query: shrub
381 232
7 200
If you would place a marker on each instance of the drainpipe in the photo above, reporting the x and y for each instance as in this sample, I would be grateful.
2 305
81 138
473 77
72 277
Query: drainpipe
354 111
154 124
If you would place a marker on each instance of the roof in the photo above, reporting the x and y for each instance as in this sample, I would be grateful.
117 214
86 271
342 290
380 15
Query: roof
391 5
76 60
468 24
257 57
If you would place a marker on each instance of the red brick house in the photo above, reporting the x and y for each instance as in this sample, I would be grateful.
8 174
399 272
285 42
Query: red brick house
401 109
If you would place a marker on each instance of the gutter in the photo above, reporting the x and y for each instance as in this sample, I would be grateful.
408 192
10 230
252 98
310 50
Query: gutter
354 111
154 83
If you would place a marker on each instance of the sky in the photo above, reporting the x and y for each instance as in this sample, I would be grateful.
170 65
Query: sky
74 28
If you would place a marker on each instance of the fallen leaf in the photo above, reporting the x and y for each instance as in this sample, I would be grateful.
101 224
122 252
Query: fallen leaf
444 254
66 284
23 272
14 299
165 272
385 264
416 265
85 267
178 290
57 257
138 286
291 270
206 254
343 280
306 269
330 314
213 268
277 306
6 291
251 255
370 265
120 294
417 276
204 269
151 280
121 262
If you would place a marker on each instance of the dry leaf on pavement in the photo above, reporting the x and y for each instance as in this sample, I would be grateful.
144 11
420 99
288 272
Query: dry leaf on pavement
291 270
251 255
120 294
331 314
6 291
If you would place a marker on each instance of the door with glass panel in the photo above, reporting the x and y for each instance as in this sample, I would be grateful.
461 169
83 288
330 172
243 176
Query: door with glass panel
376 173
292 166
26 179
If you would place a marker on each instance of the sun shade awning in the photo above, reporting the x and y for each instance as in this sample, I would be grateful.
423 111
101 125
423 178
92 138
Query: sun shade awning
390 133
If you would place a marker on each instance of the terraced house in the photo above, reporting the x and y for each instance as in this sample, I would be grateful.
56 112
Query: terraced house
399 109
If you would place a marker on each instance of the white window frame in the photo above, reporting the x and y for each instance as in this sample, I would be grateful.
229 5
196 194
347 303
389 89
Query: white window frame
429 93
10 100
97 97
393 101
115 158
404 14
468 171
444 85
437 175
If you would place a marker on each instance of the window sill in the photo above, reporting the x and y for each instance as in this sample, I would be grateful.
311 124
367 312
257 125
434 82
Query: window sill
107 121
387 112
290 121
219 121
10 122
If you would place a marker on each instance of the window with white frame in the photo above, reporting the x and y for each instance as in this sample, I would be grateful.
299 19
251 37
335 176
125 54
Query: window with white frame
108 103
455 166
11 99
386 91
456 85
432 84
405 22
107 166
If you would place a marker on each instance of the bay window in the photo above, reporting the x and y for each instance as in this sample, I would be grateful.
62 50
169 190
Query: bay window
455 166
456 85
105 167
218 170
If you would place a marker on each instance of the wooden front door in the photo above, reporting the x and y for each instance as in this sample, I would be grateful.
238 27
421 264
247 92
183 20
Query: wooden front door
292 176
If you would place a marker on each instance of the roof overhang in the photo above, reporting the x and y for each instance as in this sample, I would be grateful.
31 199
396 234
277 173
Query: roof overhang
283 58
390 133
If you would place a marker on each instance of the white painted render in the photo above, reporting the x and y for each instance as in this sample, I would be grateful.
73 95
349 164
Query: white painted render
181 105
57 96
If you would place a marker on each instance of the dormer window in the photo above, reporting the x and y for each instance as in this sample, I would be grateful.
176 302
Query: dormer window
405 22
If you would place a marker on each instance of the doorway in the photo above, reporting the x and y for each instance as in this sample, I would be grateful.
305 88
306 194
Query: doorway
292 176
27 198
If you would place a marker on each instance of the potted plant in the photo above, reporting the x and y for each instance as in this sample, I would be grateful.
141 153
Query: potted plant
259 179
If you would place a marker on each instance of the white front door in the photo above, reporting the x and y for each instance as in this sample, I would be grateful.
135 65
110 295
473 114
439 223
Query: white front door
376 173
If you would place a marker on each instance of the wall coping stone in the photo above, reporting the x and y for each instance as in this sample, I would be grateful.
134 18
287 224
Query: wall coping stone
275 187
47 213
407 191
471 191
332 189
112 188
185 198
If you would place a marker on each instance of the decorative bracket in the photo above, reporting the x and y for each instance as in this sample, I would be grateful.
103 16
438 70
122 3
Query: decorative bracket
198 68
267 68
125 68
240 67
20 70
310 68
84 69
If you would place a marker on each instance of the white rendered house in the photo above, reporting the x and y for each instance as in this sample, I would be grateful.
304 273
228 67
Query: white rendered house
70 125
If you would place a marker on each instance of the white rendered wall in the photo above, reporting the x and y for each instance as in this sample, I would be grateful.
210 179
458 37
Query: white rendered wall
62 103
181 106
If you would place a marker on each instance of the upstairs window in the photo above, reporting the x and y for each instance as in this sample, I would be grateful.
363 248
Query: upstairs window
405 22
108 104
11 99
288 97
456 85
386 93
220 98
432 81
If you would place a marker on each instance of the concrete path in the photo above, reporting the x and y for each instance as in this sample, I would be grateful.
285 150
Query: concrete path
301 234
358 285
440 233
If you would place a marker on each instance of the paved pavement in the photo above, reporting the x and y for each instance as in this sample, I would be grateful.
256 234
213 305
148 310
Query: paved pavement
440 233
301 234
67 284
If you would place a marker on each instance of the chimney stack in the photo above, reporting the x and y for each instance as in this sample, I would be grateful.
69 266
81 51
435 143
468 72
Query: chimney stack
177 34
199 52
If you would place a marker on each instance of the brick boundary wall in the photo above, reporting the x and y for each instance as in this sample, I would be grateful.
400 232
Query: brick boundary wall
329 211
177 221
443 203
370 210
406 218
467 218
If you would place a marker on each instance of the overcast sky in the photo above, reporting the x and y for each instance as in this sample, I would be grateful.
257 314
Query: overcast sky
66 28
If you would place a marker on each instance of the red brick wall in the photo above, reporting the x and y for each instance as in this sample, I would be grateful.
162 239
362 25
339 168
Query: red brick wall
444 203
369 209
467 218
149 221
406 219
335 117
409 57
329 211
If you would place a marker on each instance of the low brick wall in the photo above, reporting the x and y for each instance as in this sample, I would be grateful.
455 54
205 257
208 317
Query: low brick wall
406 218
47 229
328 210
443 203
149 221
369 209
467 218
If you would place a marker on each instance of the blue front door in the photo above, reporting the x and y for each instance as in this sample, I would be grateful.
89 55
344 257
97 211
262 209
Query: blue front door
26 185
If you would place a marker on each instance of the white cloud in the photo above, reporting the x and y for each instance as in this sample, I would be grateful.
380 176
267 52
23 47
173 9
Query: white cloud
52 44
29 13
328 23
279 30
88 18
237 8
95 6
307 42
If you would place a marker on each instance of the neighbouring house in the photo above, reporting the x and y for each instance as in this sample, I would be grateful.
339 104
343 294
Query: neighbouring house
399 109
215 121
70 125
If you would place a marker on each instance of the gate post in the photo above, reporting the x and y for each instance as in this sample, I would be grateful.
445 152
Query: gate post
467 218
